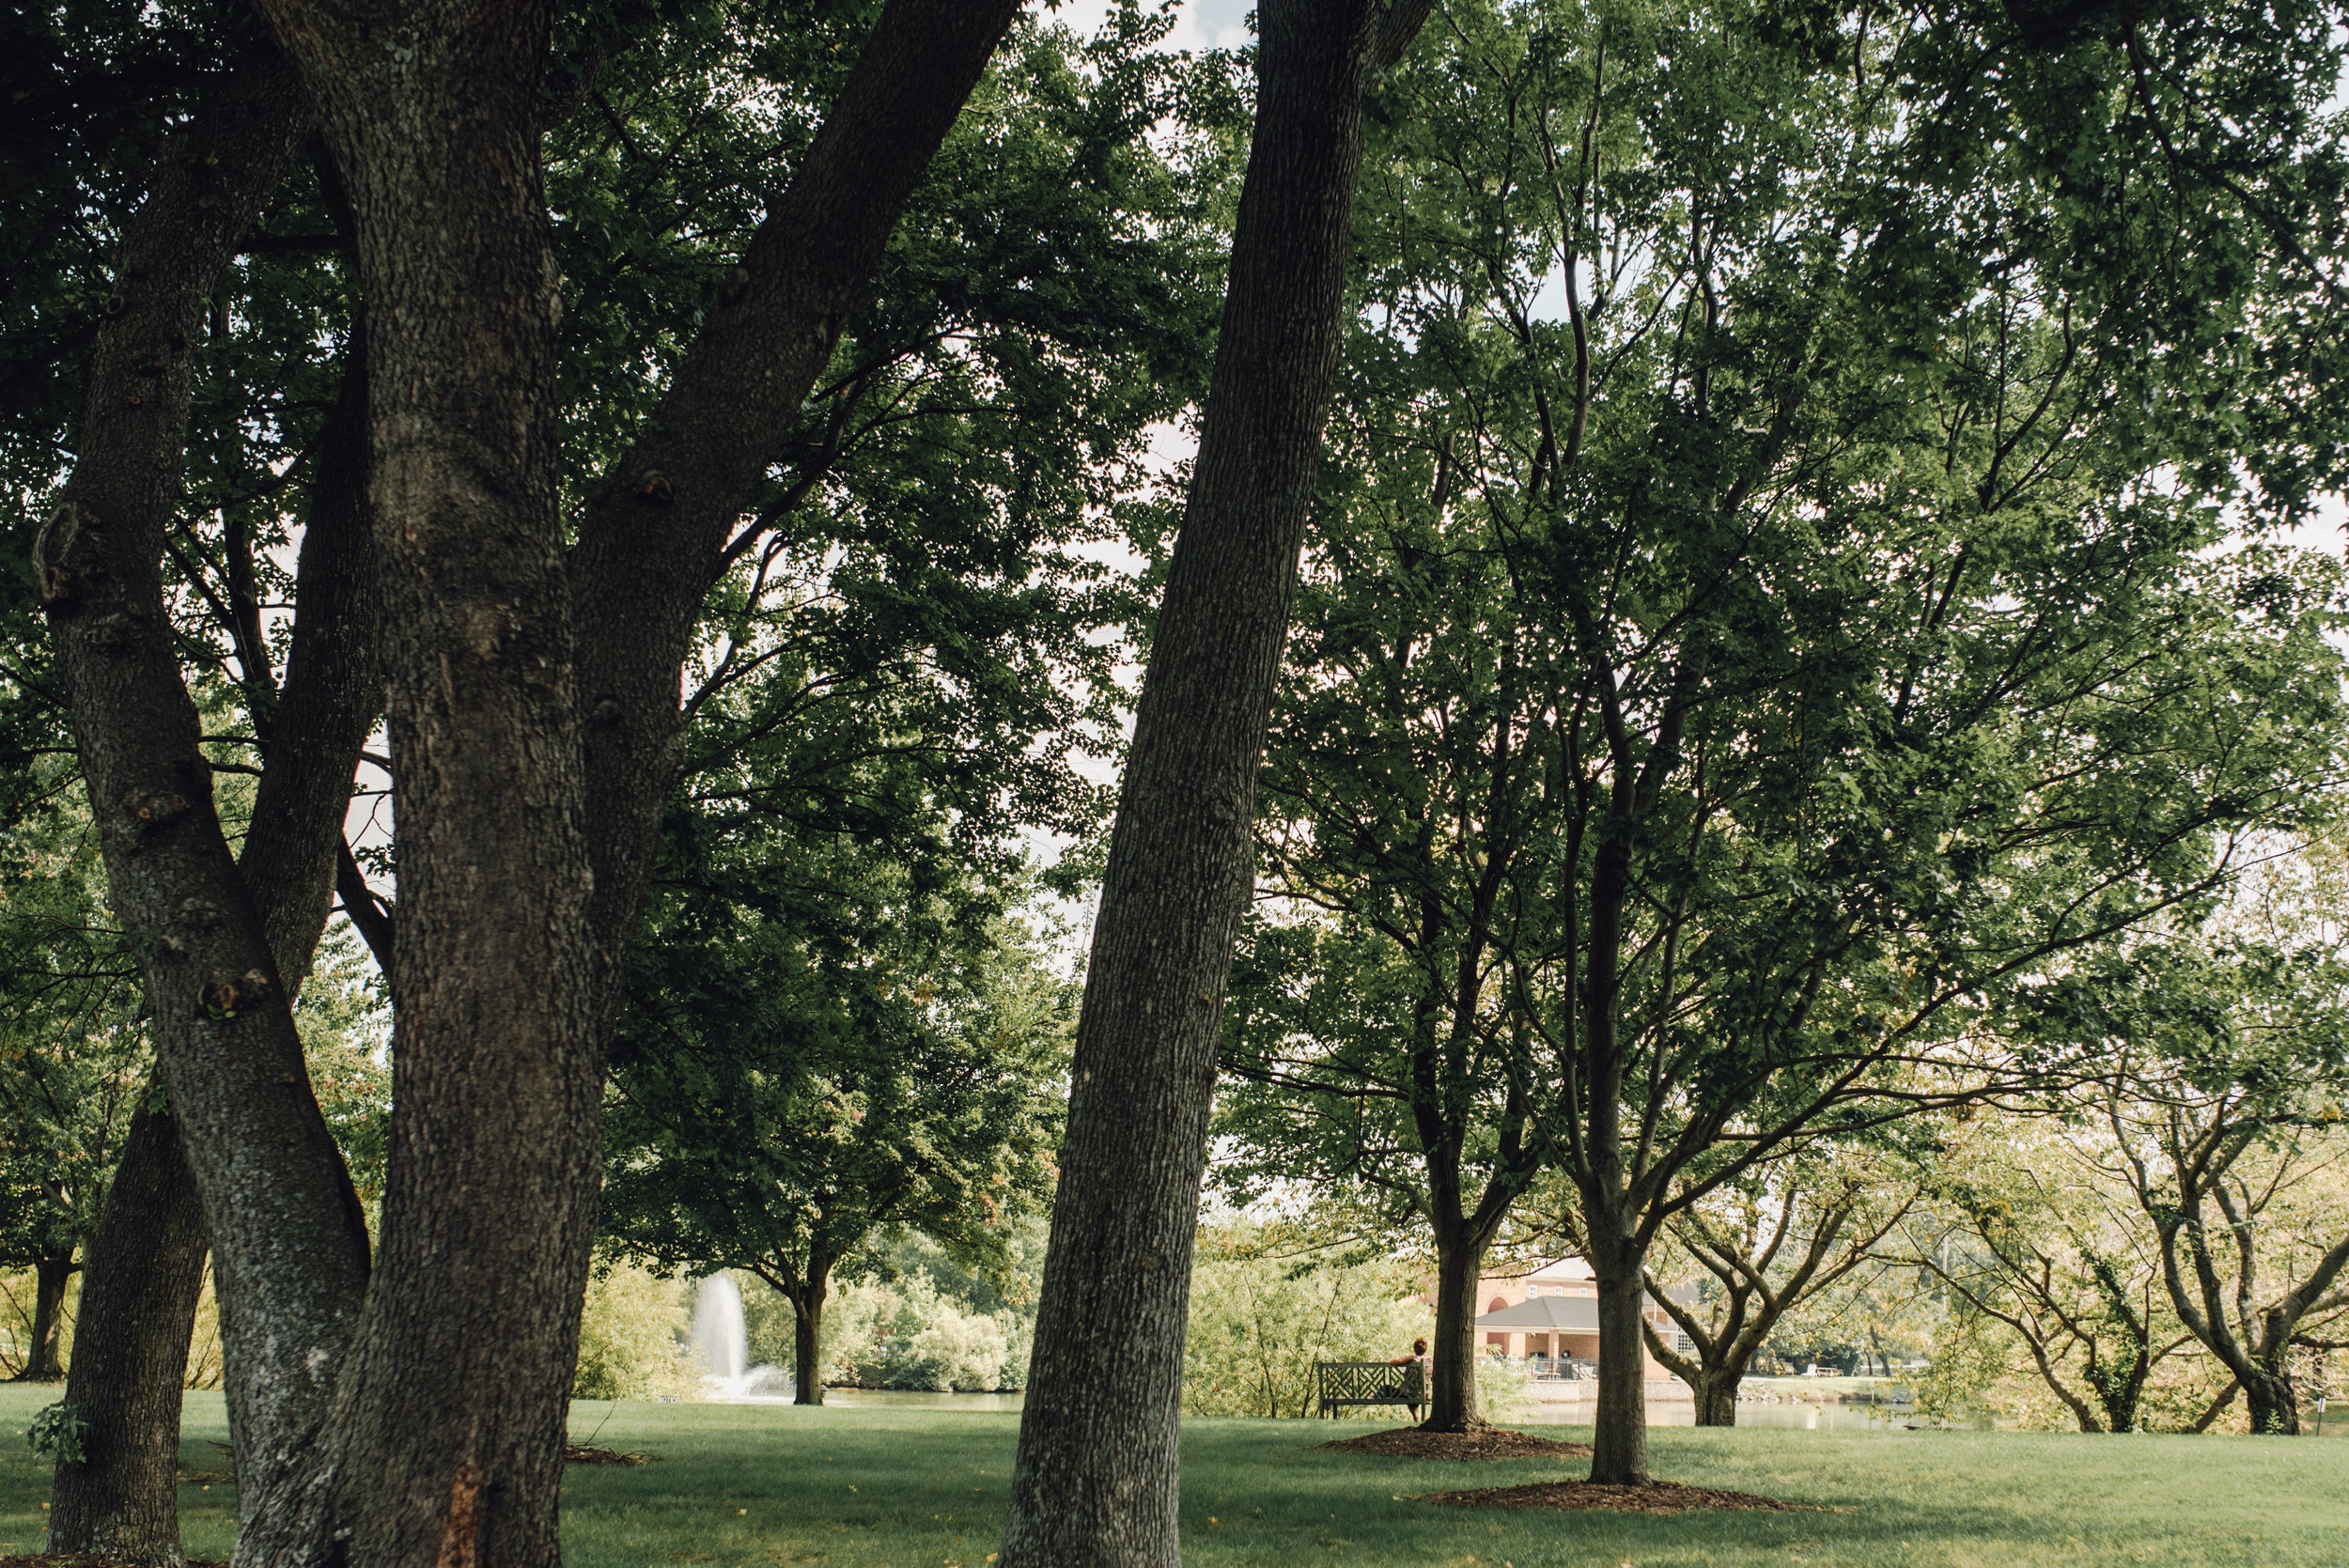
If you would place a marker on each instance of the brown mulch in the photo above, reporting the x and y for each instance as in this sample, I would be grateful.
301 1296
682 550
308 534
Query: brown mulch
1492 1442
1657 1497
580 1453
83 1559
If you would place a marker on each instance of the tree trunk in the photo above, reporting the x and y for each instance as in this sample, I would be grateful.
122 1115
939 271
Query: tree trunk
1715 1391
446 1445
291 1256
447 1441
1452 1351
1619 1444
807 1353
2274 1403
51 1272
1095 1485
130 1354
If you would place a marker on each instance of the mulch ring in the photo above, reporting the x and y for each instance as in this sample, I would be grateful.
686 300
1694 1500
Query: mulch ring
580 1453
1657 1497
84 1560
1492 1442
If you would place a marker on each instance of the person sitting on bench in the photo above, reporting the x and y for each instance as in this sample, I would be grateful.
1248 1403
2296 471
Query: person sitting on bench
1418 1381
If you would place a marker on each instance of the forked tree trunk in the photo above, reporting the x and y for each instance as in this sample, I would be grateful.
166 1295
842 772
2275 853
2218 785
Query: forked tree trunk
1716 1368
51 1272
1096 1482
291 1254
130 1355
1619 1442
2274 1402
1715 1391
1452 1403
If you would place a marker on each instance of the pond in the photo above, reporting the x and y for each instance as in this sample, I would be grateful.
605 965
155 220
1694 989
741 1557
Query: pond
1802 1416
1556 1412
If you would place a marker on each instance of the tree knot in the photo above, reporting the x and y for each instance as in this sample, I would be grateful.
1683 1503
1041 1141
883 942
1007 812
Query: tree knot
224 998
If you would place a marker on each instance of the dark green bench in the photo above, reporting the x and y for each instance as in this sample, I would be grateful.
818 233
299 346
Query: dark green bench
1346 1383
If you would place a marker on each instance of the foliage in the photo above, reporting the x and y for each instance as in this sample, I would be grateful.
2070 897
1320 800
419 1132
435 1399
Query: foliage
782 1091
630 1337
345 1024
1265 1304
907 1286
909 1335
73 1050
1968 1356
57 1433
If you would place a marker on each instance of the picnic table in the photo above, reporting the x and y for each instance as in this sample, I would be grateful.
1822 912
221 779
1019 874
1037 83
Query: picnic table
1346 1383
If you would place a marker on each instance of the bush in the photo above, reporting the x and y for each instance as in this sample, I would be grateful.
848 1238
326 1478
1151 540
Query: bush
906 1335
631 1338
1503 1391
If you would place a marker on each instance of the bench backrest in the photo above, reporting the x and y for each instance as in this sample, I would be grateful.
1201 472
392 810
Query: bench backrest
1369 1382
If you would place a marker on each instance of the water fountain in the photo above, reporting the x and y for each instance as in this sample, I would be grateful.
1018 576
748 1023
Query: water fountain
718 1337
723 1348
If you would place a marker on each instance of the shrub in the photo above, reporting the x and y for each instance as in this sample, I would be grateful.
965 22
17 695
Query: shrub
630 1333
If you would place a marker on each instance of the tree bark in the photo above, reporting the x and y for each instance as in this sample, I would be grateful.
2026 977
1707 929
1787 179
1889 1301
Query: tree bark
807 1328
292 1259
130 1356
447 1441
286 1327
51 1272
1452 1351
1095 1480
2273 1404
332 695
1619 1439
1715 1392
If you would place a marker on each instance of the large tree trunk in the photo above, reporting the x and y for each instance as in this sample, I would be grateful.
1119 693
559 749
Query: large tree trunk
1451 1403
1095 1480
130 1356
51 1272
1619 1444
292 1255
447 1441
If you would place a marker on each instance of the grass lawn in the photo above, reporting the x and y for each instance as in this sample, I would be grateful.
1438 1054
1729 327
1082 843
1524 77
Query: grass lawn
746 1486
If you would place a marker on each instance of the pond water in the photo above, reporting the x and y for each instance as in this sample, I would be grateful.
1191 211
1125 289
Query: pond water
1550 1412
1555 1412
916 1399
1808 1418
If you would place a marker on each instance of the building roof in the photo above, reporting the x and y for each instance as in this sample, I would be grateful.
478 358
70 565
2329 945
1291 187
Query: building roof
1571 1314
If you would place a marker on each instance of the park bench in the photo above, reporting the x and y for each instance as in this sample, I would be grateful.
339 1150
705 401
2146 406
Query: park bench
1344 1383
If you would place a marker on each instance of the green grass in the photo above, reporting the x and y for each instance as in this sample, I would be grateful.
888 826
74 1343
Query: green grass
744 1486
